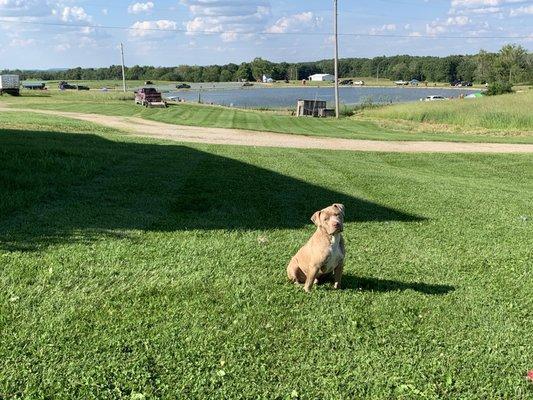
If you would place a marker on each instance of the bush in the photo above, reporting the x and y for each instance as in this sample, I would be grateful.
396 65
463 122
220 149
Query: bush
499 88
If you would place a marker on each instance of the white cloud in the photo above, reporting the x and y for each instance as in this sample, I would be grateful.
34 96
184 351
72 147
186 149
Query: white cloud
153 29
481 6
482 3
384 28
26 8
62 47
460 20
19 42
296 22
231 19
480 10
73 14
139 8
437 27
525 10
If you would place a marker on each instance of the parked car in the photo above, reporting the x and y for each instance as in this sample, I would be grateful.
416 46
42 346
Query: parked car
149 97
247 84
183 86
359 83
401 83
346 82
81 87
64 85
434 98
461 83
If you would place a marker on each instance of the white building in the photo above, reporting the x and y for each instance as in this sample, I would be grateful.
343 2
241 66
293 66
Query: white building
322 78
267 79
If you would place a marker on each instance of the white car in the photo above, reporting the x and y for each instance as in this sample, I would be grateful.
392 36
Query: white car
434 98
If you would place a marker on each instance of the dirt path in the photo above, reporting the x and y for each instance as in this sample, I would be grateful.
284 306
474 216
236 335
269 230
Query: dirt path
192 134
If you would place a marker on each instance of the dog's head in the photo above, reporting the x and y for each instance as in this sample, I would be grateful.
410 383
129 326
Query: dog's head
331 219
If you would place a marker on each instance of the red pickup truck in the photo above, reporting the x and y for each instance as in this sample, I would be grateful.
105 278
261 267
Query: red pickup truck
149 97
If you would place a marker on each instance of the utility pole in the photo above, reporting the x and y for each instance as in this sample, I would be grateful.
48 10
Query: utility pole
336 33
123 68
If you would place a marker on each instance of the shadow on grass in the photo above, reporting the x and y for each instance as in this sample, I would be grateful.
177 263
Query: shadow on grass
57 187
352 282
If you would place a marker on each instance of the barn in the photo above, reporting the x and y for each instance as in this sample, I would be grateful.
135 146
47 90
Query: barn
322 78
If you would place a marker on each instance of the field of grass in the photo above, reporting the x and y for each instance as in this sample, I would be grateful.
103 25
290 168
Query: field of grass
136 269
511 113
358 127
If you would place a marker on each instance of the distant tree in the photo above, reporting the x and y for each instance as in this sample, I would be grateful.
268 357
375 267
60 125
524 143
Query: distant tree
415 70
226 76
400 71
485 66
466 69
511 62
211 74
244 72
261 67
281 71
528 75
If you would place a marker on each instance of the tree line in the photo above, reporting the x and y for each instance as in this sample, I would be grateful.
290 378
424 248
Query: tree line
512 64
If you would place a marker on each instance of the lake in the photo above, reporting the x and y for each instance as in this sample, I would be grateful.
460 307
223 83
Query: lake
255 97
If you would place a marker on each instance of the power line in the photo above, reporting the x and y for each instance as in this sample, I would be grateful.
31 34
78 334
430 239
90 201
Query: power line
269 33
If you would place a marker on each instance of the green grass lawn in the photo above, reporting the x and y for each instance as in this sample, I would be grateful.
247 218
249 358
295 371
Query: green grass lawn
367 127
139 269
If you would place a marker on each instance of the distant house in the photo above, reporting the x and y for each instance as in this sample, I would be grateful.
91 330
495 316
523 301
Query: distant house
322 78
267 79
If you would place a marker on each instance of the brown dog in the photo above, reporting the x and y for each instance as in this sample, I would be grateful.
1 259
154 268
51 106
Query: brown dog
323 255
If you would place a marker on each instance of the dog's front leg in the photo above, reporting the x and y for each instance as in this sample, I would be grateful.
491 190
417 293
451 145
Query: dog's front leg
310 278
338 275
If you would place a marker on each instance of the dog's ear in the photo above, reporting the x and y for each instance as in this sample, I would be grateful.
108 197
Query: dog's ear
340 207
316 218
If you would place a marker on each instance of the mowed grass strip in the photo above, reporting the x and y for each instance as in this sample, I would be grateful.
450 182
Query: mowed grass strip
365 126
142 269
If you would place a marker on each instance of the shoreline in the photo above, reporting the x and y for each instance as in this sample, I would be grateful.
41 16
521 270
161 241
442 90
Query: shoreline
262 86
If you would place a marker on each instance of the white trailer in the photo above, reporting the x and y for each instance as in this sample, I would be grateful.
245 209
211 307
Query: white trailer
10 84
322 78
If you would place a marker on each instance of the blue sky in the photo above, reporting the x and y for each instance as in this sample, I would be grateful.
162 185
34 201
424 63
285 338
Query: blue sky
67 33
